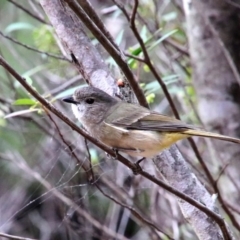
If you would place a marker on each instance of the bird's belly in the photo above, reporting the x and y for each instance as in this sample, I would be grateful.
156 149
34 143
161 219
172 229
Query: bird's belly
139 142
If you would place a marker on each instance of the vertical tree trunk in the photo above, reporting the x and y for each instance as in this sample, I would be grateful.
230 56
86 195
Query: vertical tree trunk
214 41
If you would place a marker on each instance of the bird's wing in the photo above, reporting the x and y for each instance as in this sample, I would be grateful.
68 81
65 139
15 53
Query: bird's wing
143 119
125 114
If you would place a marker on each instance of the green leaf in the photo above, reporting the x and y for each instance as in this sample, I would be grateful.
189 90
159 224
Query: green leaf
169 16
146 68
44 39
162 39
151 87
94 156
143 33
25 101
29 80
136 50
119 38
132 63
18 26
2 122
150 98
170 78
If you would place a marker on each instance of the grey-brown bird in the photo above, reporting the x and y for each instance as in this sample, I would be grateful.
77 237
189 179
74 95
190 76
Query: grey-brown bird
128 127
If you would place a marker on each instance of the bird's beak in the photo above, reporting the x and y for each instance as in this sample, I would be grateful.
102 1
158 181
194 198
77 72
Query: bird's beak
69 100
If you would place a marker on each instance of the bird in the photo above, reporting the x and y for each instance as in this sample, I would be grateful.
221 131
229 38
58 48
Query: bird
130 128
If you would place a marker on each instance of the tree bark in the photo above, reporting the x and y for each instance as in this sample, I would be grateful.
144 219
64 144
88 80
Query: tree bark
214 41
70 31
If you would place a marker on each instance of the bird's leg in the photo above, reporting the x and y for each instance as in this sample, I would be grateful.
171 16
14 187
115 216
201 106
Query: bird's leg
138 168
139 161
116 153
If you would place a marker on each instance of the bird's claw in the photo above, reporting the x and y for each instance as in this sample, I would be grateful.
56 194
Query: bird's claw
116 153
137 169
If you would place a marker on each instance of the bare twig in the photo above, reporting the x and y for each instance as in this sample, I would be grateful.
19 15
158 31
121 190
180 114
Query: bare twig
90 161
34 49
234 208
124 11
133 211
87 7
14 237
134 57
28 12
68 145
65 85
148 60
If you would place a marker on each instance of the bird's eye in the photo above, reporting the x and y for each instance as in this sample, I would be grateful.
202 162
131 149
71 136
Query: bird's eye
89 100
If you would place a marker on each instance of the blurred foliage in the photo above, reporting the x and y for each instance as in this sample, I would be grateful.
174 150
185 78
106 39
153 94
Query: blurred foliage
44 39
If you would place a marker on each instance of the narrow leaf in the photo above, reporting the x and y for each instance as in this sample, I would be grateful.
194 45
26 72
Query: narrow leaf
18 113
162 39
25 101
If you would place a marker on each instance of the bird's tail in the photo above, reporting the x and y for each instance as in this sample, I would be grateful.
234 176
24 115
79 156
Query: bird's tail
200 133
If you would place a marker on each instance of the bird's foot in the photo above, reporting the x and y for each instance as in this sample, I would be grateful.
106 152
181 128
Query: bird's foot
116 153
138 168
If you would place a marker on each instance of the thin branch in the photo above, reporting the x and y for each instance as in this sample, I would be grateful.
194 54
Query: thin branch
67 144
34 49
134 57
122 8
221 173
148 60
90 161
177 46
234 208
65 85
14 237
169 41
28 12
156 12
123 195
133 211
87 7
